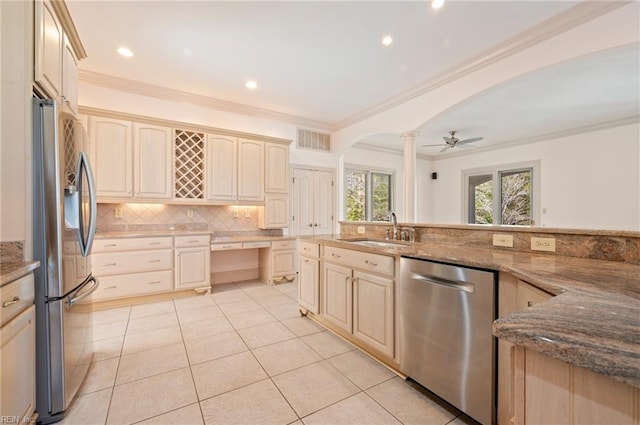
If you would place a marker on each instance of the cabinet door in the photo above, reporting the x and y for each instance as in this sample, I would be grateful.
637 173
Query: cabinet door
17 355
112 152
250 170
276 168
222 174
283 263
192 268
373 311
69 78
275 213
338 305
48 49
153 161
323 202
309 284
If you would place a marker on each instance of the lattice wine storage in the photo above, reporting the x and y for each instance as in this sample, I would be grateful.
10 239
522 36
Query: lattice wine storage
189 166
70 152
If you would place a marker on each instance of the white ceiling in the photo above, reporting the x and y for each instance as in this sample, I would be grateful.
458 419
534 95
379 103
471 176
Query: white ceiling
323 62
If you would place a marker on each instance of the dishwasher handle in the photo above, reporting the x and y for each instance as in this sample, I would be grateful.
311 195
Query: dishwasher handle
455 284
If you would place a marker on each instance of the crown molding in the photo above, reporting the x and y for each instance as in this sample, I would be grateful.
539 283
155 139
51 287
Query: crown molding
165 93
548 136
62 12
567 20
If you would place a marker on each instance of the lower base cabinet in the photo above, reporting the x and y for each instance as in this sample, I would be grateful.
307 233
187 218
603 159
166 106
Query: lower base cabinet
373 311
192 268
338 296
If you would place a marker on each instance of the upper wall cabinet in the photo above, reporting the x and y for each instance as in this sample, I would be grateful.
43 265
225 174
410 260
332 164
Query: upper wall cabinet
112 157
57 51
153 160
276 168
189 161
235 169
49 41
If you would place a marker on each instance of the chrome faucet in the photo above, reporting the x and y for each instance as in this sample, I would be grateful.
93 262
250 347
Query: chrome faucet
394 220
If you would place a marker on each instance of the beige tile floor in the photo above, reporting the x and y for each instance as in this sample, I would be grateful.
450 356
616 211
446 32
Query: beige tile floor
241 355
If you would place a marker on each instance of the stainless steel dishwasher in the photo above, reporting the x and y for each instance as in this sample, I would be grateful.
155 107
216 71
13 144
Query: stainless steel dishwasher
446 344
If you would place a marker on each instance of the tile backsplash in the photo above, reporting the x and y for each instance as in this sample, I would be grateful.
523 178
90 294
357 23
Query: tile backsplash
137 217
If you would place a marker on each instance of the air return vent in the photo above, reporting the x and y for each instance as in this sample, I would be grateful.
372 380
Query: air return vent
309 139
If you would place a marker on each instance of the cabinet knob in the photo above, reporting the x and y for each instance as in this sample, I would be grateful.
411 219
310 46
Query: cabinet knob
530 303
310 225
315 225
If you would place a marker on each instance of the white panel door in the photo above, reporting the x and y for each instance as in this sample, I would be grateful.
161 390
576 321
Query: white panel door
222 168
250 170
276 168
323 202
153 169
302 220
112 150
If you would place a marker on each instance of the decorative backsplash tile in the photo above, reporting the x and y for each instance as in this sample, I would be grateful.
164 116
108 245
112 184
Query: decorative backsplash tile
138 217
12 252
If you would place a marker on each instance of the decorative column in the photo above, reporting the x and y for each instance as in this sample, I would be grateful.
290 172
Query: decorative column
409 175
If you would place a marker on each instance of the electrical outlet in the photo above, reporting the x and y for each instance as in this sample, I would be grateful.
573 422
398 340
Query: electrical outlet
543 244
189 212
247 214
118 212
503 240
361 230
235 213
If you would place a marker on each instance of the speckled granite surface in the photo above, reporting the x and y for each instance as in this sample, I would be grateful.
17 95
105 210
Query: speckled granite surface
15 270
594 322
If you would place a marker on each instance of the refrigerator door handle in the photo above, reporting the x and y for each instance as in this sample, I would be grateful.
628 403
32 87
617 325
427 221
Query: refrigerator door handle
77 294
84 171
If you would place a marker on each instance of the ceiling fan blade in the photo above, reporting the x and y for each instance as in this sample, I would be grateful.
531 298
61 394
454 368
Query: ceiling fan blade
465 147
449 140
471 140
439 144
446 148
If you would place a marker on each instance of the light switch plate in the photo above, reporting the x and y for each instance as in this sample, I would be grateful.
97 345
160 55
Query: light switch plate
503 240
361 230
543 244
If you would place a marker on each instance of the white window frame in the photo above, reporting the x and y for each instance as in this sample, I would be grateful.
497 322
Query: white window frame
495 170
369 188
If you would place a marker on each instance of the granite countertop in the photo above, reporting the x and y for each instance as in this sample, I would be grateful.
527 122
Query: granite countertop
150 233
255 238
593 322
10 271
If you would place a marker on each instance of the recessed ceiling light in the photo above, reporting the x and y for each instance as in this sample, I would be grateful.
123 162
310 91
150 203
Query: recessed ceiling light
251 85
387 40
437 4
125 51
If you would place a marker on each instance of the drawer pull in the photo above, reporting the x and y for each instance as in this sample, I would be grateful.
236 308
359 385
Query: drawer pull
110 245
155 282
154 261
227 246
109 264
306 260
371 263
333 254
15 300
110 287
154 243
193 241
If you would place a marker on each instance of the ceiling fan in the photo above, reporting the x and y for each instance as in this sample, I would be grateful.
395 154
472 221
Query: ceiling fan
453 141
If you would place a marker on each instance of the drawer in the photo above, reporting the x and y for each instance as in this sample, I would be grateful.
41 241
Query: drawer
131 244
260 244
131 262
132 284
195 240
360 260
309 249
280 245
226 246
16 296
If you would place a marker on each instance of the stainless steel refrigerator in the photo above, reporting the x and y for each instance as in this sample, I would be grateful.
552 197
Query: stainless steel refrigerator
64 221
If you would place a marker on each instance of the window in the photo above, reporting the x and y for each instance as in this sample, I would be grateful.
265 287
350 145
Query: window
368 194
502 195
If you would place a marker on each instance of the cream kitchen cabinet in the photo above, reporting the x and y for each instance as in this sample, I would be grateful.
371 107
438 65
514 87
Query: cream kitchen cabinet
358 291
309 276
278 262
192 255
235 169
276 168
112 157
313 195
49 45
69 78
152 159
514 295
250 170
18 350
275 213
132 266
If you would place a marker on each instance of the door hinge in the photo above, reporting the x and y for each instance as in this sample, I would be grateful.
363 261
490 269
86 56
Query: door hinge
293 218
331 183
294 180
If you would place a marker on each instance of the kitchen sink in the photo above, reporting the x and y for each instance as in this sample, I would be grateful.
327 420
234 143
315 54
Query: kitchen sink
374 242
